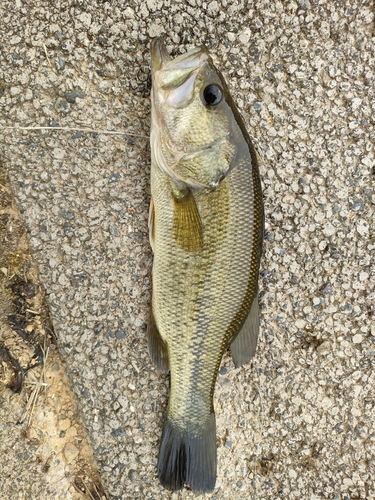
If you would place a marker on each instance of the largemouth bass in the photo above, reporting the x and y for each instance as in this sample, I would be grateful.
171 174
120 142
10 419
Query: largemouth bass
206 231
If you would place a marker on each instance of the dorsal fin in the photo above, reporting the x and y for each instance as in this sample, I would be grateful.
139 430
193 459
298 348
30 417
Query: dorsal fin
151 224
245 342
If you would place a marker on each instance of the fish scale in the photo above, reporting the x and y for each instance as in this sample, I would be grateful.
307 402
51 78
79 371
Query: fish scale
206 227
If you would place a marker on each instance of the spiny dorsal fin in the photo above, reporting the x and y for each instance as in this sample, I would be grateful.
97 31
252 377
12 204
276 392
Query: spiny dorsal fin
187 224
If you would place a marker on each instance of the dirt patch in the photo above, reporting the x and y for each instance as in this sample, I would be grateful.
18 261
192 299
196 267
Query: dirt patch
44 453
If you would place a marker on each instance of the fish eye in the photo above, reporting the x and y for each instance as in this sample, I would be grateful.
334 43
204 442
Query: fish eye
212 95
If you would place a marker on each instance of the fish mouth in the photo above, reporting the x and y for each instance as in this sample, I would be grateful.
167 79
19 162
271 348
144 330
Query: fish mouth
175 71
159 54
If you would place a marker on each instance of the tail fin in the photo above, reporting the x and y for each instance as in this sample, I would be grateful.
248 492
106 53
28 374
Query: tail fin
188 456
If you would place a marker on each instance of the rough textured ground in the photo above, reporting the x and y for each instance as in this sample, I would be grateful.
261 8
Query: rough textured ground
299 421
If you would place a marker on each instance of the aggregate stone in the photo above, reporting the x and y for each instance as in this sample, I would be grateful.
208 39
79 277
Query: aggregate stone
70 452
300 417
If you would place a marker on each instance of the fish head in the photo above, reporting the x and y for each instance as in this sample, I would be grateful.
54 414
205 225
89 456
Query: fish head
192 116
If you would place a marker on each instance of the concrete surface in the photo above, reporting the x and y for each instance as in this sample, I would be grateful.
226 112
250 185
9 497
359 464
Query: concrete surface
299 421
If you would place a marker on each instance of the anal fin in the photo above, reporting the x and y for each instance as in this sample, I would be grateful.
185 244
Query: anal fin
157 348
244 344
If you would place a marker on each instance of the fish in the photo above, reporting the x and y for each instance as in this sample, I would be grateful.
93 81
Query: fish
206 224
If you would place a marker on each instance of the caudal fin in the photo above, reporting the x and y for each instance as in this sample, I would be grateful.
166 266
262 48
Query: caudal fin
188 456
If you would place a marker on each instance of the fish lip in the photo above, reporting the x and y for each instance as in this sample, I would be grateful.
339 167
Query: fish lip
161 60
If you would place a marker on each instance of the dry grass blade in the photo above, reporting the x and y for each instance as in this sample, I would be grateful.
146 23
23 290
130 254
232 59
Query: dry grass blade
135 366
88 490
261 404
30 404
74 129
45 51
39 384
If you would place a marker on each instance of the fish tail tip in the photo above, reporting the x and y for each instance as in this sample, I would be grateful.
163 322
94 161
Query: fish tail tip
188 456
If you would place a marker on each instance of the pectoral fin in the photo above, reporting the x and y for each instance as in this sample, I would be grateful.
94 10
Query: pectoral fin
157 348
187 224
244 344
